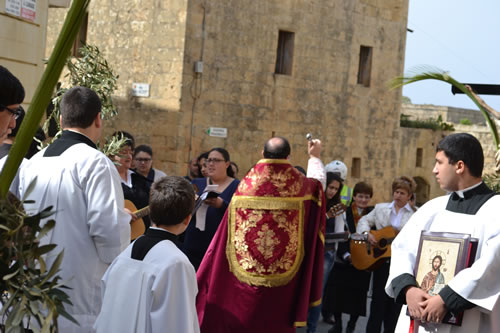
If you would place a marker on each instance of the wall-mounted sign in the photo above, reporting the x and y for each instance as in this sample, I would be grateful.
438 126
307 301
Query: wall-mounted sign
218 132
13 7
28 11
140 89
22 8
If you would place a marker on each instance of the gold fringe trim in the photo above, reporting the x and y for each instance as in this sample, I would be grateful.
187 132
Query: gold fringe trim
299 324
315 303
256 279
273 161
270 203
321 237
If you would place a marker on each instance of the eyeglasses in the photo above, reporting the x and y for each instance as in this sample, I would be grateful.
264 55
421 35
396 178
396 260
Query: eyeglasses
142 160
15 112
214 160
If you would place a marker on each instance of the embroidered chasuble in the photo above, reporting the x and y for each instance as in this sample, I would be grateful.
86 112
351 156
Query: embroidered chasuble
264 266
473 290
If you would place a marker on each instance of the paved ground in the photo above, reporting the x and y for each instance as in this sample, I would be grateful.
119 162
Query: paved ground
360 325
323 327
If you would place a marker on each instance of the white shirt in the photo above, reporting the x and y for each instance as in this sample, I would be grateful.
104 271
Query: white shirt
396 217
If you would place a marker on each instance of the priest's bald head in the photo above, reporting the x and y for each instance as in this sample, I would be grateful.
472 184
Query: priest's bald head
81 112
459 162
276 148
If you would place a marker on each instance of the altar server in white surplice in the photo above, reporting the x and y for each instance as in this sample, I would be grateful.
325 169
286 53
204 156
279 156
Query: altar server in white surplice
470 208
151 286
83 188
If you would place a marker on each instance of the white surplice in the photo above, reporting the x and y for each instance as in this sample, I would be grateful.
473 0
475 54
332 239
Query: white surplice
14 186
479 284
156 294
83 187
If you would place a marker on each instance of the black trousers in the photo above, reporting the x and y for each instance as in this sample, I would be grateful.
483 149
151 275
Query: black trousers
383 309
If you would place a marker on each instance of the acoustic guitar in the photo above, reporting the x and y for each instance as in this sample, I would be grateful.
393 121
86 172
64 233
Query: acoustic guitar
137 227
367 257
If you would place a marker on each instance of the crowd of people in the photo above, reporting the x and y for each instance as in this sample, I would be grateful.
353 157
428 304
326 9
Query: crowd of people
222 254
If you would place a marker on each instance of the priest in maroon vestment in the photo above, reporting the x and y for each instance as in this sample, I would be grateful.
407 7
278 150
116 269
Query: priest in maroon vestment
264 267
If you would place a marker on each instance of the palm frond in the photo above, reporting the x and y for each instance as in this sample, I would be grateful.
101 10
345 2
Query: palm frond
421 73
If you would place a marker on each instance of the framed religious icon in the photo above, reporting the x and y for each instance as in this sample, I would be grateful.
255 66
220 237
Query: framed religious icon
441 255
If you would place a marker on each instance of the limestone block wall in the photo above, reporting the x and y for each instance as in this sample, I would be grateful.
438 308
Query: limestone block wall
23 46
143 41
237 42
158 42
448 113
410 140
427 140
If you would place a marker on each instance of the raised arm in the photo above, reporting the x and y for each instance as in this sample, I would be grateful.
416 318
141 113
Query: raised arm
315 168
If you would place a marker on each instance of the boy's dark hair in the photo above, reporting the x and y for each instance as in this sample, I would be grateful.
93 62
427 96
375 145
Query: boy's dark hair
79 107
364 188
171 200
11 89
463 147
277 149
145 149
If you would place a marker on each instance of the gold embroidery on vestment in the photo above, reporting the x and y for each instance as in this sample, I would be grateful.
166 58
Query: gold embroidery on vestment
265 261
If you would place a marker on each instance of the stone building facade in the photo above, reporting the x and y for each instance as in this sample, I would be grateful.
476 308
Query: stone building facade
418 146
334 61
23 30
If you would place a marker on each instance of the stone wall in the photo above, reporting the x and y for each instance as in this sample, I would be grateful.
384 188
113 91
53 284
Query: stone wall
157 42
23 46
426 139
241 92
448 113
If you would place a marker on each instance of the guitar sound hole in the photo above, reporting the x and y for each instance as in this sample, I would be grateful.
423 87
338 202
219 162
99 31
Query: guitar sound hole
382 242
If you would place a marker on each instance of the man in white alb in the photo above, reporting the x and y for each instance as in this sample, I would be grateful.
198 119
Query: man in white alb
470 208
83 188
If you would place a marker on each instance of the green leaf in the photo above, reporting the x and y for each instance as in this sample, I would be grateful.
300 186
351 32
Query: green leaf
55 266
46 228
44 249
29 189
11 275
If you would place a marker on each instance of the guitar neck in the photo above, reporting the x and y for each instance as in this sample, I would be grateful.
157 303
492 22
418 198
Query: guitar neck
142 212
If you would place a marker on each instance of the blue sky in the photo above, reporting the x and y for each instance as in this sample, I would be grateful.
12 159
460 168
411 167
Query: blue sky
458 36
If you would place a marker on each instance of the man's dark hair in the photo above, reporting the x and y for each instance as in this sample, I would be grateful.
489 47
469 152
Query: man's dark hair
145 149
79 107
277 148
11 89
19 120
171 200
466 148
363 188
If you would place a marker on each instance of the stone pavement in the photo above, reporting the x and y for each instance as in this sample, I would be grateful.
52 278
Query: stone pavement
360 325
323 327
